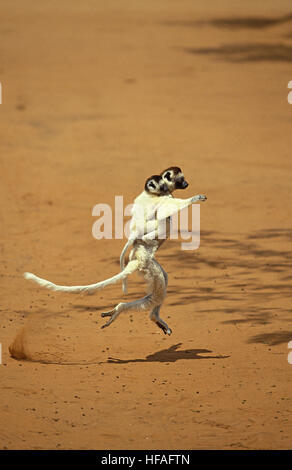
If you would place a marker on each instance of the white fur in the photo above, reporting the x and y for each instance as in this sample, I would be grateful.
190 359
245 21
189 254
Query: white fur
130 268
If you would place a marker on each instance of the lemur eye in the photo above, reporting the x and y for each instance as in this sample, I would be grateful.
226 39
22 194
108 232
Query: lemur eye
152 185
168 176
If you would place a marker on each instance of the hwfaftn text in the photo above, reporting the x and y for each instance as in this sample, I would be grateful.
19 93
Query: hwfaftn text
147 459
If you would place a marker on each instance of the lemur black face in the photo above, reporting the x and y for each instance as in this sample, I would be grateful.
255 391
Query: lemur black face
156 185
174 178
181 183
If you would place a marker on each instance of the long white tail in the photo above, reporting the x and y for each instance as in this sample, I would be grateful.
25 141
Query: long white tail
129 269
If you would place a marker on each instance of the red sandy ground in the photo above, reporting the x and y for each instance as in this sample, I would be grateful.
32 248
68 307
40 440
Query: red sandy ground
96 97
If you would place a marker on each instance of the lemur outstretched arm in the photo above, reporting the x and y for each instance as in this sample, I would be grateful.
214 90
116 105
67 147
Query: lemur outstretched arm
169 207
166 209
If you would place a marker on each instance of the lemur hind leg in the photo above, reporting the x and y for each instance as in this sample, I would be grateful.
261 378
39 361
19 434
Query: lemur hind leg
141 304
160 281
154 314
165 275
156 279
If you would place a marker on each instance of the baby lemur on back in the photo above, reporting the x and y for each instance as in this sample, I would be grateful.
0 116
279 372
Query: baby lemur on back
174 179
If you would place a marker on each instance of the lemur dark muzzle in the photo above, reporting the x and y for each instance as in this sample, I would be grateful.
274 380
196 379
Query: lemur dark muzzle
164 188
182 184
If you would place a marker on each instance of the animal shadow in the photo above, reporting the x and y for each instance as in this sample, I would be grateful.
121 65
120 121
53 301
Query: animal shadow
170 354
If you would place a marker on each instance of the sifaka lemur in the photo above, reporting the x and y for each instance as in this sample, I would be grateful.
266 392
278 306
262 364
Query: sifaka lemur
155 206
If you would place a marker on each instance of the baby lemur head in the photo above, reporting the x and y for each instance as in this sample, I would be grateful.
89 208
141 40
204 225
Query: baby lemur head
156 185
174 178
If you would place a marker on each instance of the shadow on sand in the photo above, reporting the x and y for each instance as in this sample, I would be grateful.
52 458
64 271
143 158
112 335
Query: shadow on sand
272 339
240 22
248 52
170 355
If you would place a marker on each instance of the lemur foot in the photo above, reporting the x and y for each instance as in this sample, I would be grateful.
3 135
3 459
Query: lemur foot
112 318
112 314
166 330
107 314
105 325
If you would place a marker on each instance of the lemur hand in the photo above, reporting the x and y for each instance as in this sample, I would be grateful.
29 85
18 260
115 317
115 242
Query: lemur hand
200 197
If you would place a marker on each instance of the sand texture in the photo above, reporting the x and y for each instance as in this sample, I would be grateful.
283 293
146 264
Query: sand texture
96 97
